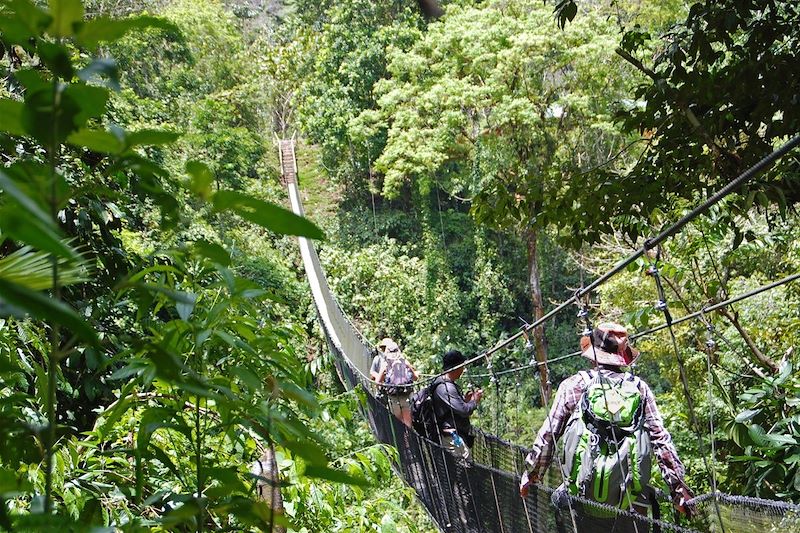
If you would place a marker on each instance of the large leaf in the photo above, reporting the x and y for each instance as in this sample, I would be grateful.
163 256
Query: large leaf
91 101
114 412
103 67
324 472
747 415
758 434
780 439
56 57
96 140
47 309
31 207
185 304
47 122
66 15
308 450
26 22
149 137
213 251
156 418
266 215
106 29
32 231
11 117
34 269
201 179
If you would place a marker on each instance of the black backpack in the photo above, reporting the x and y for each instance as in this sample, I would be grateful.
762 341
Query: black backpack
423 416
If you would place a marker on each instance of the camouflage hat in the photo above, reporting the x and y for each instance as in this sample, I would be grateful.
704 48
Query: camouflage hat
609 346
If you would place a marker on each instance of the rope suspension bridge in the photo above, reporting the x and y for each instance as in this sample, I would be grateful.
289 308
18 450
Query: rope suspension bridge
482 494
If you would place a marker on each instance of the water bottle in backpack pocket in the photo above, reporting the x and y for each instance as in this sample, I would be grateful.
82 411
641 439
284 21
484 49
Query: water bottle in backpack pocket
607 455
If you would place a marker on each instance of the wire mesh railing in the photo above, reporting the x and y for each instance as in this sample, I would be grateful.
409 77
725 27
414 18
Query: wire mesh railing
481 494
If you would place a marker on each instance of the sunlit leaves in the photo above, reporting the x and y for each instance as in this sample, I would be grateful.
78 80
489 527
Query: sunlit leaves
106 29
460 113
34 269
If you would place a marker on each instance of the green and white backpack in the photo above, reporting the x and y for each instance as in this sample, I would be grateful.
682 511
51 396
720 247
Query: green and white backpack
607 451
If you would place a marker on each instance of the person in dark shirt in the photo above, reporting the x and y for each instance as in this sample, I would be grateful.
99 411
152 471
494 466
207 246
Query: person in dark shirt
453 409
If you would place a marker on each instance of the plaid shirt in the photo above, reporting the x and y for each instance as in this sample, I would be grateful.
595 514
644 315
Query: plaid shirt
569 394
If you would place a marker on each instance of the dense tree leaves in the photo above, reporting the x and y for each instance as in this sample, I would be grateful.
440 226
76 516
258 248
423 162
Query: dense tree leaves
264 214
461 94
350 60
189 345
722 93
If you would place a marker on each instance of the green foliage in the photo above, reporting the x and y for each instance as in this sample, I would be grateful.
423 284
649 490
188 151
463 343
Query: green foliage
704 127
344 66
386 505
498 88
765 426
141 373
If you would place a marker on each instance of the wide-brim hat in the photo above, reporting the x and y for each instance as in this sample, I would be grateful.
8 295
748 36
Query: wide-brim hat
388 345
603 347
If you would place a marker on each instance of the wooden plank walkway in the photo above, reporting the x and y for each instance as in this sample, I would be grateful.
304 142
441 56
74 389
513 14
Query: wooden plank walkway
288 161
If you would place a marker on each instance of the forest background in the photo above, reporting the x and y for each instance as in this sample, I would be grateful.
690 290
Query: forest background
468 173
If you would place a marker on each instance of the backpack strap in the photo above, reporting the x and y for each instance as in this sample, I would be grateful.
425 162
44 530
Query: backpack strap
435 383
587 376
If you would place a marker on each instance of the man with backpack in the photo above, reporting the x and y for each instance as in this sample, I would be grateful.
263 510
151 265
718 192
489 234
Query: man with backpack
441 413
612 428
453 409
394 375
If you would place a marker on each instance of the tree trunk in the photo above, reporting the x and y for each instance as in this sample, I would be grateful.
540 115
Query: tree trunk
268 486
758 355
540 343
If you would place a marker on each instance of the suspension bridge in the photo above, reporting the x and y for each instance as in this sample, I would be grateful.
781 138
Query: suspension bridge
482 495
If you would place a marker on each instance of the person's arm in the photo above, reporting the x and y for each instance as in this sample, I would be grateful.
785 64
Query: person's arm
375 368
669 463
382 372
449 395
569 392
414 375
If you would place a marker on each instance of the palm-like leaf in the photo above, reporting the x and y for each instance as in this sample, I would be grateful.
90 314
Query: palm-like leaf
34 269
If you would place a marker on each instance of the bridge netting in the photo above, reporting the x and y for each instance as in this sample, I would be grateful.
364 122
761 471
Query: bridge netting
482 495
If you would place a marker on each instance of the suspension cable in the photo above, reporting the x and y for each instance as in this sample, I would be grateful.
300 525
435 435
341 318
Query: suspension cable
675 322
649 244
695 425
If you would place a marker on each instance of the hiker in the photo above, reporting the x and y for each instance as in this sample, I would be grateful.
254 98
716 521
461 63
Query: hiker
441 413
452 409
583 404
394 375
